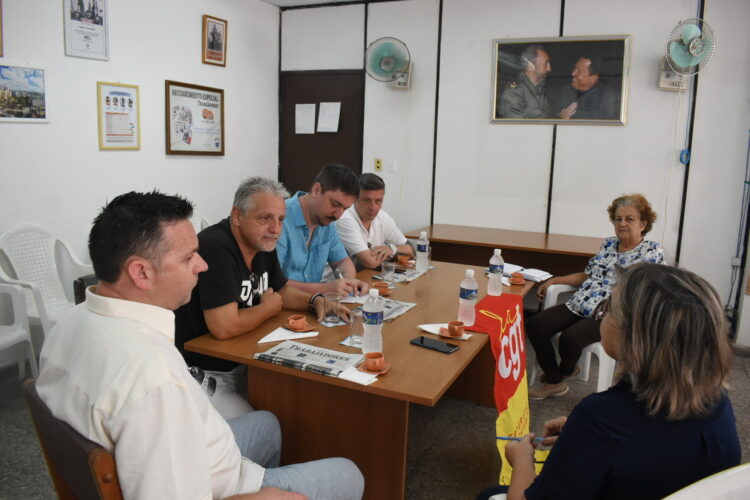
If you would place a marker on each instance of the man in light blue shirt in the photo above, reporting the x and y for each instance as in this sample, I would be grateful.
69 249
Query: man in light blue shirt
309 239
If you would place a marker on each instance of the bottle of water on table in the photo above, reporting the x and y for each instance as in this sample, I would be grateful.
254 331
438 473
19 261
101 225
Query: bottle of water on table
467 299
497 265
423 246
372 317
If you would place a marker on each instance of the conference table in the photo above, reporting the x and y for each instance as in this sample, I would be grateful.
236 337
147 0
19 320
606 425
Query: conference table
324 416
557 254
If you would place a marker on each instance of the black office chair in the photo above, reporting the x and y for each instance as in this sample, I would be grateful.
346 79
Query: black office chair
80 469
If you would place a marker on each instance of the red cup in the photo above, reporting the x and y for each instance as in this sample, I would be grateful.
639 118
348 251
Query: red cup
297 322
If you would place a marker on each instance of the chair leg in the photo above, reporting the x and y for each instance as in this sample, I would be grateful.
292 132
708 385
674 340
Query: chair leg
606 372
585 363
32 361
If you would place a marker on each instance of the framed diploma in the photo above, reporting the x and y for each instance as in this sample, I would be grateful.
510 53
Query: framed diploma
86 26
194 119
118 107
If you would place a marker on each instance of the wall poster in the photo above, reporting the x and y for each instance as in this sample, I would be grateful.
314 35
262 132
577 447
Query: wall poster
86 27
23 94
118 107
194 119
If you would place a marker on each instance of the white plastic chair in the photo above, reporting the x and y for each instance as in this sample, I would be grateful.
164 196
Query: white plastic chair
40 262
199 222
18 331
730 484
557 294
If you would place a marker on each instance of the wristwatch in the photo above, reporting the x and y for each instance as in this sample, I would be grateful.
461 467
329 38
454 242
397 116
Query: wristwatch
393 248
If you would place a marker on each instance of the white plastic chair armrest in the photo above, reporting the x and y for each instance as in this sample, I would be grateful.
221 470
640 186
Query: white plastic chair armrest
4 278
553 292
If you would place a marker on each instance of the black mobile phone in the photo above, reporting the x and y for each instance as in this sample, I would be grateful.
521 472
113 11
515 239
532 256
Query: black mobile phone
433 344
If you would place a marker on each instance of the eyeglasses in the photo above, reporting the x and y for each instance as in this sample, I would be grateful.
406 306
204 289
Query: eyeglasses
208 383
601 310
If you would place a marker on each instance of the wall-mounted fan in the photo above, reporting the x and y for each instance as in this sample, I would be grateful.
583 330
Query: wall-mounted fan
387 60
690 46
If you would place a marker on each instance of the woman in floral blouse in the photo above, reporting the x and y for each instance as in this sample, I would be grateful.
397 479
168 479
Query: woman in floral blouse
632 217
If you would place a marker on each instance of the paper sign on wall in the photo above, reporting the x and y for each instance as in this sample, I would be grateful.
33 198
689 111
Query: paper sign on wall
304 119
328 116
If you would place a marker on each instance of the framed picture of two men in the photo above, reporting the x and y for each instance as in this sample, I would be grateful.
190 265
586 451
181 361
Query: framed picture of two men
565 80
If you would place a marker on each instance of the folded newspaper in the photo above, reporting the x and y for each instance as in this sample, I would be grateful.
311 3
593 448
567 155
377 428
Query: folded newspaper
405 277
392 309
309 358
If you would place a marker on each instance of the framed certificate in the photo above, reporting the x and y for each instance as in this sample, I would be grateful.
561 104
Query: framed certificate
86 26
118 107
194 119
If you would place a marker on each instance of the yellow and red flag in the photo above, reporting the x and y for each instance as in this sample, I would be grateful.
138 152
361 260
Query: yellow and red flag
501 317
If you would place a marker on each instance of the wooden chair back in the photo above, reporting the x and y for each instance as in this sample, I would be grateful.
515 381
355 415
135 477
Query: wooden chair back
80 469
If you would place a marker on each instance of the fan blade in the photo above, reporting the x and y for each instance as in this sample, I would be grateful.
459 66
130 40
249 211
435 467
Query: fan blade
689 33
681 56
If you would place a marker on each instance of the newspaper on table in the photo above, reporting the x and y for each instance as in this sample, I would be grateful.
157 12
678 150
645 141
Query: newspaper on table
405 277
309 358
392 309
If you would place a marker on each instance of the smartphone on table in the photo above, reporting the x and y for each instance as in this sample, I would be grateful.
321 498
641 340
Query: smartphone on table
433 344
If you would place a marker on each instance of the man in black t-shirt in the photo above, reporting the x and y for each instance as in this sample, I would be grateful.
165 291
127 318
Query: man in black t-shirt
243 286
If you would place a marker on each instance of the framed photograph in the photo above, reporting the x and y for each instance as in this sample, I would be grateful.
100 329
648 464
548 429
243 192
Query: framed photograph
214 41
563 80
23 94
195 119
86 27
118 106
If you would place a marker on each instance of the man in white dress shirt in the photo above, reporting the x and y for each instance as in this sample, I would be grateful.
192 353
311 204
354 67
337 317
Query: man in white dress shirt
369 234
110 369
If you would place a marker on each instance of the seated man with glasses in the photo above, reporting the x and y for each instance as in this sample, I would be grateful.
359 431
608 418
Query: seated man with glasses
110 369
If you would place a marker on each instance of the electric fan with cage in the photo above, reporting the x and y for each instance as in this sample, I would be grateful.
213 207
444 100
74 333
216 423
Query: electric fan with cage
388 60
690 46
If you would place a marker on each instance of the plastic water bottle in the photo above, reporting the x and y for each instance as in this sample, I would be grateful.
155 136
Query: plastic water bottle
467 299
372 317
497 266
423 245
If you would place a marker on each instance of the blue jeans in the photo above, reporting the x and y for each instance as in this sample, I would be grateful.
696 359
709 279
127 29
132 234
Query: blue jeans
258 436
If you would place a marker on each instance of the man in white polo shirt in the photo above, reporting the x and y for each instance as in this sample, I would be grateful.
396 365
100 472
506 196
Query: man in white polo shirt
369 234
110 369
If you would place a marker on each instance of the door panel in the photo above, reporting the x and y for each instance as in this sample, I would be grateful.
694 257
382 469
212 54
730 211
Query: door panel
301 156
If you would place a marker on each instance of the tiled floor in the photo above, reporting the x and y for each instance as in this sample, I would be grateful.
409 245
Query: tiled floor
452 452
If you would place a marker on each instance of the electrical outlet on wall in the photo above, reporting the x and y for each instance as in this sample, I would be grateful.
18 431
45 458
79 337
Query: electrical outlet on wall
378 165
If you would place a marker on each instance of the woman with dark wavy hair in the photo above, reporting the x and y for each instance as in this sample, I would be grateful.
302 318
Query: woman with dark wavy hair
632 218
667 423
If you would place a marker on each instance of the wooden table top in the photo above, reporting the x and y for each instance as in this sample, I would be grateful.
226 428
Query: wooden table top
417 375
517 240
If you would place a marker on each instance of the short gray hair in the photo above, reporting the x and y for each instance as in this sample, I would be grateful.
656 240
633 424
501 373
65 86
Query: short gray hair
243 197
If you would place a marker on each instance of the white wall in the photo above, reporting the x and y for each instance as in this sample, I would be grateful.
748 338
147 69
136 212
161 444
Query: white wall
54 174
399 124
720 147
496 175
322 38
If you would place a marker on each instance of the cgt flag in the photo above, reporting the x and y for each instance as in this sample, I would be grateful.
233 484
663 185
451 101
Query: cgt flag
501 317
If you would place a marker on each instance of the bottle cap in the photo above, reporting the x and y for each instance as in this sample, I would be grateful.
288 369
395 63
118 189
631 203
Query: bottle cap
498 251
470 273
374 292
422 235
